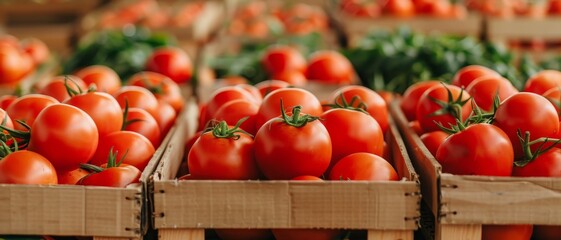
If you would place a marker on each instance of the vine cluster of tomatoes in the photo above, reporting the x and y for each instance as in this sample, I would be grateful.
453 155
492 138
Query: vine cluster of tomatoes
481 125
86 128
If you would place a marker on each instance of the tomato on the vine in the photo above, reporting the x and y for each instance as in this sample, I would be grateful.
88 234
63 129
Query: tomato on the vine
442 104
291 97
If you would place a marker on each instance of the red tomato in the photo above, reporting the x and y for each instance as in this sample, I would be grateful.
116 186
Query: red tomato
292 146
102 108
480 149
118 176
172 62
140 121
254 91
307 178
104 78
6 101
233 111
547 164
428 107
511 232
294 78
165 117
56 88
65 135
330 67
544 232
138 97
375 104
352 131
542 81
526 112
224 95
244 234
37 49
268 86
223 153
468 74
308 234
400 8
27 108
161 86
137 148
278 59
554 96
363 166
14 65
484 89
411 97
291 97
4 116
371 9
433 140
26 167
71 177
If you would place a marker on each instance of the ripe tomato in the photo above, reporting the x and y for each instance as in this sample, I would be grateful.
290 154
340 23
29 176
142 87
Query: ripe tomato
254 91
433 140
37 49
352 131
430 111
56 87
547 164
363 166
116 176
223 153
104 78
375 104
480 149
514 232
307 178
294 78
411 97
291 97
140 121
137 148
554 96
26 167
71 177
310 234
268 86
6 101
14 65
292 146
484 89
542 81
165 117
161 86
526 112
102 108
400 8
65 135
224 95
172 62
360 8
279 58
244 234
468 74
233 111
26 108
330 67
138 97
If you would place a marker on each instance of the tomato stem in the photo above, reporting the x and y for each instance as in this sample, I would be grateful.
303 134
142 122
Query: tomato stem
530 156
159 89
361 106
71 92
126 122
221 130
297 119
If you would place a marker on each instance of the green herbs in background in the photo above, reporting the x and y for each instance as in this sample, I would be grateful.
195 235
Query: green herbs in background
247 63
393 61
125 50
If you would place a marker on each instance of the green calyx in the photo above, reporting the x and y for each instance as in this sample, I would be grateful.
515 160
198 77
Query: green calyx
526 143
297 119
452 106
126 122
12 134
111 162
341 102
155 89
71 92
221 130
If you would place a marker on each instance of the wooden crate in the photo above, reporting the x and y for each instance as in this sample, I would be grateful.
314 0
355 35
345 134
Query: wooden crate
184 209
33 11
80 211
59 37
461 204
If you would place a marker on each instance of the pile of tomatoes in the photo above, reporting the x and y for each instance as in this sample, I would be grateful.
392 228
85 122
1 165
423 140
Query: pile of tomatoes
86 128
481 125
513 8
19 58
404 8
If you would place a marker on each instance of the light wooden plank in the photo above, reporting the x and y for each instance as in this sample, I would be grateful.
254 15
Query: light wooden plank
390 235
181 234
458 232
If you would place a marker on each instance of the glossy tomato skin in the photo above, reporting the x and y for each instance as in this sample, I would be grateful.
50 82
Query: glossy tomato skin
270 107
554 96
527 112
284 152
375 105
137 148
352 132
56 87
14 65
480 149
64 134
427 106
484 89
120 177
211 157
363 166
26 108
235 110
268 86
294 78
278 59
37 49
433 140
542 81
6 101
138 97
104 78
411 97
172 62
165 117
547 164
514 232
26 167
223 96
161 86
102 108
468 74
71 177
146 125
244 234
330 67
252 90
